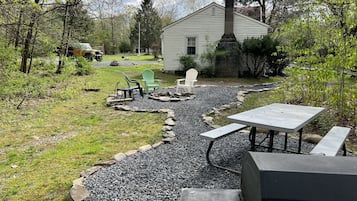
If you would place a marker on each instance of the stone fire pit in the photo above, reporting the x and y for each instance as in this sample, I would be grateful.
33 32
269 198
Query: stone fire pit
171 97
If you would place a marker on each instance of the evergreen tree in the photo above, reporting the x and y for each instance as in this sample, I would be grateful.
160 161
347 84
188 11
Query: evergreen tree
150 26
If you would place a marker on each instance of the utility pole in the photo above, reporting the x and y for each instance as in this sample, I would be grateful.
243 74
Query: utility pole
139 41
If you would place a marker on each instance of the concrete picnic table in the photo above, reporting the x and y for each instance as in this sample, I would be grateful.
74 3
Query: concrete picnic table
277 117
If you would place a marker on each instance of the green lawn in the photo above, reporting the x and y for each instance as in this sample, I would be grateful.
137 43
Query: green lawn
46 145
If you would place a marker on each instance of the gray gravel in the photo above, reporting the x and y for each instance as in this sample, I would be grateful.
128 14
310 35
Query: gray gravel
102 64
159 174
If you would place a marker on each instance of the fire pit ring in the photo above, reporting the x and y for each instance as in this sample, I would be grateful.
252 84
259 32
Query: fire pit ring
168 96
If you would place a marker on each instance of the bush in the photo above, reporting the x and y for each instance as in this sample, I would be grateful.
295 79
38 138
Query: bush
258 54
277 59
124 47
207 72
187 62
83 67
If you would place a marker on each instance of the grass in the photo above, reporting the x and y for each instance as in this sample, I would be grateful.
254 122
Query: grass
251 101
46 145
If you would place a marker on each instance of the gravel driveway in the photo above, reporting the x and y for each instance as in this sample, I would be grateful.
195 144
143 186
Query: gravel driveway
102 64
160 173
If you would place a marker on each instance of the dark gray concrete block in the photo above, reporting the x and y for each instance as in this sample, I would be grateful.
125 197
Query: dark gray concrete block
294 177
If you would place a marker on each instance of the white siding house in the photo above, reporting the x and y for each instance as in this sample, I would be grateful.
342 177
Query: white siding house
190 35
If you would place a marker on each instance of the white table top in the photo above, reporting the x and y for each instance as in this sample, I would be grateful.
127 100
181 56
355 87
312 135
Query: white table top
278 117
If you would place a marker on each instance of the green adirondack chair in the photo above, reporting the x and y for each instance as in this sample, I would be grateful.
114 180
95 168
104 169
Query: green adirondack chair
149 81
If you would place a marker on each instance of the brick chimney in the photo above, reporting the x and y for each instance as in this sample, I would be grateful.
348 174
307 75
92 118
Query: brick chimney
228 17
227 65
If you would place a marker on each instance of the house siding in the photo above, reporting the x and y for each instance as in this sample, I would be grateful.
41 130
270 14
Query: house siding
207 25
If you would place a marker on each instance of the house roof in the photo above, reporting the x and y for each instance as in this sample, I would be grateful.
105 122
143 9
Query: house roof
213 4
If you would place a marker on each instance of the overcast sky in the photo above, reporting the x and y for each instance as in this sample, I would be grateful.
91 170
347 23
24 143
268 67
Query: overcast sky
183 9
132 2
137 2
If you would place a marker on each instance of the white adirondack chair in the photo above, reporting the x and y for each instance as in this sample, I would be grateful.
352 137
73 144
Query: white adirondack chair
187 83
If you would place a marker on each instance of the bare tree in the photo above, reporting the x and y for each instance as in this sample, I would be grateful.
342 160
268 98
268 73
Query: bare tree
168 10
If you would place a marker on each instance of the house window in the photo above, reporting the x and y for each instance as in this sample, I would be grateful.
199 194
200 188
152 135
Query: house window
191 45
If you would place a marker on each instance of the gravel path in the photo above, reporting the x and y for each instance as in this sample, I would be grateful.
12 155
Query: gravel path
160 173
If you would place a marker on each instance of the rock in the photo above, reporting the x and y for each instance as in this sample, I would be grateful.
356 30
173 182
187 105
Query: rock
157 145
171 115
78 181
105 163
131 152
122 107
78 193
90 171
169 140
240 99
166 128
224 107
242 93
164 99
119 156
169 134
208 120
170 122
145 148
114 63
165 110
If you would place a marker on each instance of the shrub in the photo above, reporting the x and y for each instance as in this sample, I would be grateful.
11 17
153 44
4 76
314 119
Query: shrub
124 47
187 62
277 59
83 67
257 52
207 72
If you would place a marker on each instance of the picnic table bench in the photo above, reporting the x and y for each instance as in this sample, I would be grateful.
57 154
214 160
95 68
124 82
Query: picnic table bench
331 143
219 133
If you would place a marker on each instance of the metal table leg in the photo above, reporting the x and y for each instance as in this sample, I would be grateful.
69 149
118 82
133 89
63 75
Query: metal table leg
300 139
252 134
271 140
286 141
214 165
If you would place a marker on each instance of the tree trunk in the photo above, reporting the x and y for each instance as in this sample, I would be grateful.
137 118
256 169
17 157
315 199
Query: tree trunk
63 48
32 49
17 36
263 6
26 50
